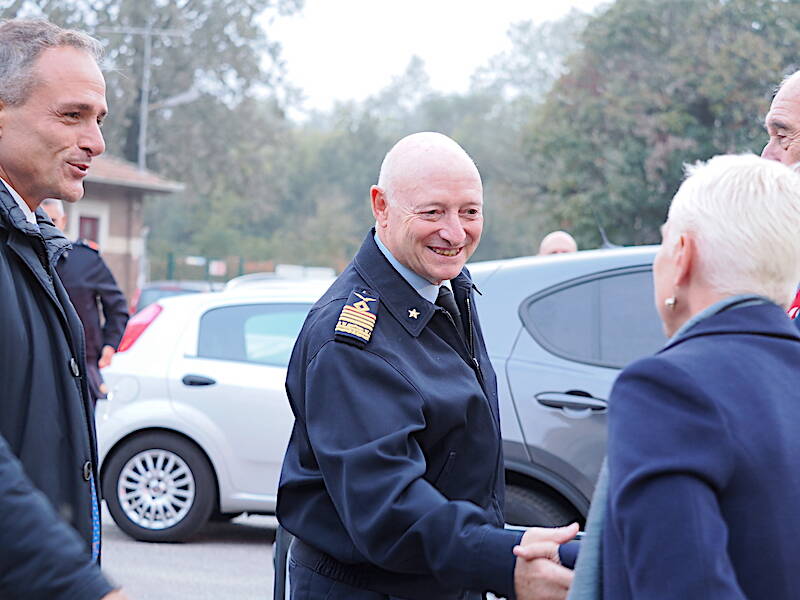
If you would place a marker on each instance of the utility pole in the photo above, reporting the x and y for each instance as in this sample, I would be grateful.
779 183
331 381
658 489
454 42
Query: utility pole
144 102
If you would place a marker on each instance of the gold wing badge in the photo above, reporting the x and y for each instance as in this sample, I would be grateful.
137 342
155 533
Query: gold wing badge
358 318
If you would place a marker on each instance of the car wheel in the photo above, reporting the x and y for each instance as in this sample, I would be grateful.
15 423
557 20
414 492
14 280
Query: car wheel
159 488
529 507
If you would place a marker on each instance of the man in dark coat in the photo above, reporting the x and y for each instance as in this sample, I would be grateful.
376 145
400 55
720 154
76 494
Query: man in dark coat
35 540
52 101
393 479
89 282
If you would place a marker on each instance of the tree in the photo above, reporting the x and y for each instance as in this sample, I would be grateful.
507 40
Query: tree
214 122
657 84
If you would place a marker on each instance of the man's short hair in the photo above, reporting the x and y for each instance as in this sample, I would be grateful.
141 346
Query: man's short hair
21 43
744 213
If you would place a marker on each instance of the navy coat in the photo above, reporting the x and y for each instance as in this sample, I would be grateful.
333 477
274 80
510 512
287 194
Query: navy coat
395 462
704 464
89 281
45 412
41 557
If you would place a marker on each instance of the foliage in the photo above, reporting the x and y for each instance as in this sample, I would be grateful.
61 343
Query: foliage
591 114
657 84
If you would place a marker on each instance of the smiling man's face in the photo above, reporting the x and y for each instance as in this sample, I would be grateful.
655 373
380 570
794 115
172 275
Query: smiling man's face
433 220
47 143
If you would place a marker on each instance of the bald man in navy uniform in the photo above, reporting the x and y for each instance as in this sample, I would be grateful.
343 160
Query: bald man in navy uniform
89 281
393 479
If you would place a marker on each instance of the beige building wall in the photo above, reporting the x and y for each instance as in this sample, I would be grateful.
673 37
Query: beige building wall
119 214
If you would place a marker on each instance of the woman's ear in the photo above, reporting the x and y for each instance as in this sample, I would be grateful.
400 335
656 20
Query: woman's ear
685 256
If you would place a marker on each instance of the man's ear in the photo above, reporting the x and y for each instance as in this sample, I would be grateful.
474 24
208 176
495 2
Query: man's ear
685 259
379 204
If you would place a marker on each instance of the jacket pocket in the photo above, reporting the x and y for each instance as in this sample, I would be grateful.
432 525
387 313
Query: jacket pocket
446 469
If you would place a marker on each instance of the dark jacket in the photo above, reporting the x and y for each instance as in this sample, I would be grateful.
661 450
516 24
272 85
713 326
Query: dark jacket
41 558
45 413
395 461
89 281
703 462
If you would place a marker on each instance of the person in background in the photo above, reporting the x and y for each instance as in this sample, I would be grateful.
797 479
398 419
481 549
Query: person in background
700 495
783 123
52 103
783 127
557 242
89 283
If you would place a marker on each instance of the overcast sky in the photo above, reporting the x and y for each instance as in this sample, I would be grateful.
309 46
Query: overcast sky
348 49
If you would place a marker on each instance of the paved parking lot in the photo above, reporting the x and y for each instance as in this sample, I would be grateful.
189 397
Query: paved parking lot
228 560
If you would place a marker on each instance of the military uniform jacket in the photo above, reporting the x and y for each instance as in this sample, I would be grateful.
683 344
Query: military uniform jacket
87 279
395 460
45 413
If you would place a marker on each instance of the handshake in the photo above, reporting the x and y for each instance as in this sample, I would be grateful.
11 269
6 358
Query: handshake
538 574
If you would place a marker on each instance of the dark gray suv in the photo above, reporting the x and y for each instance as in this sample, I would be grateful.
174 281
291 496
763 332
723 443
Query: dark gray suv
558 330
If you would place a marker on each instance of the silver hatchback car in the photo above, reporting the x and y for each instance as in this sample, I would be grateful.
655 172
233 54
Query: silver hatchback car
198 420
558 330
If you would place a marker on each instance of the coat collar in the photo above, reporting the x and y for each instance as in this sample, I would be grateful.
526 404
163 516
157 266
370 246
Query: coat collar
766 319
54 241
400 299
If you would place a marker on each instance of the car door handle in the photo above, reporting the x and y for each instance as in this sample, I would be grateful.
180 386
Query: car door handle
194 380
571 400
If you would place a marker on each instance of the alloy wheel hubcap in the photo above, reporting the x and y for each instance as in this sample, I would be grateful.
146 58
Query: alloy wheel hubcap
156 489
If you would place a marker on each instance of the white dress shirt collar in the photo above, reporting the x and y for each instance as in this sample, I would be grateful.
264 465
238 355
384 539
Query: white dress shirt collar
26 210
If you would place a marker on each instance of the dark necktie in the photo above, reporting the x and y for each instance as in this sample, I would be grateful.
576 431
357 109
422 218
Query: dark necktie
448 302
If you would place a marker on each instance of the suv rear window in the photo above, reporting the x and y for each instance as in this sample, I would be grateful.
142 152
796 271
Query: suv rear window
607 320
260 333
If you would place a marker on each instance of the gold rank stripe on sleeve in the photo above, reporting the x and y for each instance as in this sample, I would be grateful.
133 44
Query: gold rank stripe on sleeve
353 329
359 311
365 320
358 318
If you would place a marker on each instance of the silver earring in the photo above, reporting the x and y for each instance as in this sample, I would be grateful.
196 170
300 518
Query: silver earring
671 302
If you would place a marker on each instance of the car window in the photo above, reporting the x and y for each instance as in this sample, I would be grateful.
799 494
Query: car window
607 320
260 333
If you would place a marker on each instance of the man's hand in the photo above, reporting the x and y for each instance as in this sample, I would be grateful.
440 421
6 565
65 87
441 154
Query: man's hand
105 357
543 542
115 595
538 574
541 579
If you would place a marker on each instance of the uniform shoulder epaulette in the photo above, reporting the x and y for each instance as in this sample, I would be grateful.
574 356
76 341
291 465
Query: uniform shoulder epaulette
358 318
89 244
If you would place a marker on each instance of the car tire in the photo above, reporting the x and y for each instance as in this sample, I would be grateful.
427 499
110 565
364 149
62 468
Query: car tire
159 488
530 508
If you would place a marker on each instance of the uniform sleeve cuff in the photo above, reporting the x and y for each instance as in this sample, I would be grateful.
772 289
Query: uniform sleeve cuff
568 553
497 560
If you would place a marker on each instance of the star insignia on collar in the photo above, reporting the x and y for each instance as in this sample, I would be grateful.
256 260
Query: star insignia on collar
413 313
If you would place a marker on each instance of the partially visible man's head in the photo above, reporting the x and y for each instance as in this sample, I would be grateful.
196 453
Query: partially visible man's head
743 215
428 205
52 102
557 242
783 123
55 210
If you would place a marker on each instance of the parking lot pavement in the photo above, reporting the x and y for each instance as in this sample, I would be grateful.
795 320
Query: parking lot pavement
227 560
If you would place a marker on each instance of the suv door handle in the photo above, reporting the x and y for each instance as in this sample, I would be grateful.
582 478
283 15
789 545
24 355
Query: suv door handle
195 380
571 400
